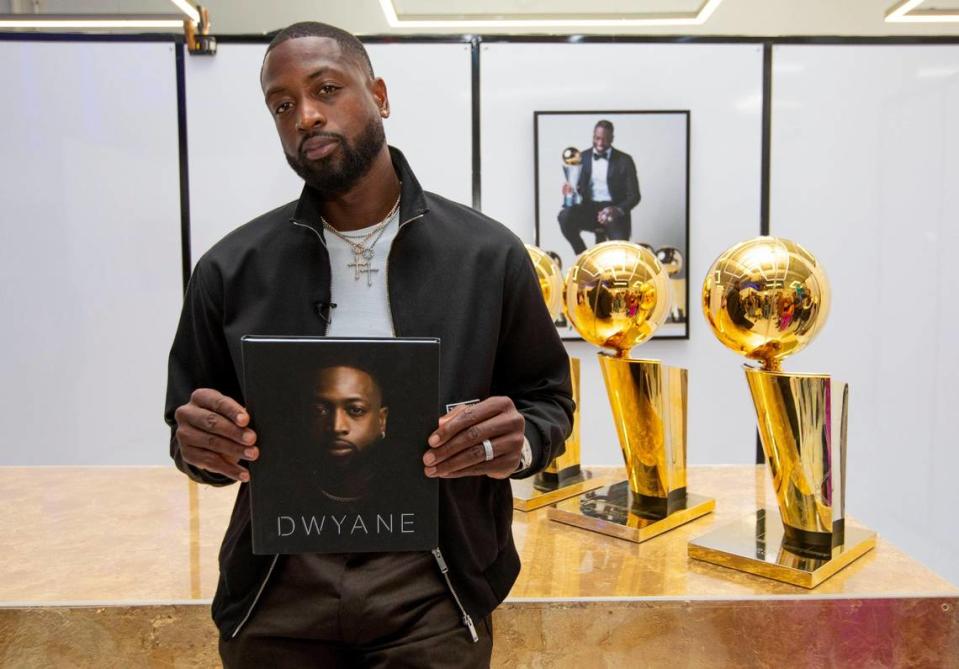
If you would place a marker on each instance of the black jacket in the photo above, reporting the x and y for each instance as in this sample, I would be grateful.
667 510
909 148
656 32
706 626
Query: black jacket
620 178
452 273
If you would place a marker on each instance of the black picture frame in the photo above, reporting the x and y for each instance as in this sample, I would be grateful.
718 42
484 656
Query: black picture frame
547 205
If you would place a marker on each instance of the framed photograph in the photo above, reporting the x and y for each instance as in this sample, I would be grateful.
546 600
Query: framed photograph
616 175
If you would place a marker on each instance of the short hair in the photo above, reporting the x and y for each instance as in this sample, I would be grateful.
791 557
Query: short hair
606 125
361 366
347 41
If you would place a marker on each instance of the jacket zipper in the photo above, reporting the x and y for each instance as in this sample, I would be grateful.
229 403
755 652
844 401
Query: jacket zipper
256 599
326 322
269 572
386 269
445 570
311 229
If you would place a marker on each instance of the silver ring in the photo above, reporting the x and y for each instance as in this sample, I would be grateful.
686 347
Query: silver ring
488 448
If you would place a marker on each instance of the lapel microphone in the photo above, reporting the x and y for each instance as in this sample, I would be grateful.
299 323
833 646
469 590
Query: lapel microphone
323 309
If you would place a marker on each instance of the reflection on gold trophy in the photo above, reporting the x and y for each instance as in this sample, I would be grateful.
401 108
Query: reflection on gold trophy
564 477
617 294
767 298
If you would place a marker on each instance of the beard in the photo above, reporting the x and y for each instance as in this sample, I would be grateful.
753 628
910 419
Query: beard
334 176
353 475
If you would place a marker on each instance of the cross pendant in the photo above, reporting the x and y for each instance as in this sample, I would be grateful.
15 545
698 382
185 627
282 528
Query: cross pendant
363 268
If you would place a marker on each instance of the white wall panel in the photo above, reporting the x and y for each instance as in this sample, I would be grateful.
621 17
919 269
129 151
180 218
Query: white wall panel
90 268
865 157
721 85
237 167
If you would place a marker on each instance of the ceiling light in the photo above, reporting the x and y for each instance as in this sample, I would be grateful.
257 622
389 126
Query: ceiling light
52 21
116 21
696 18
907 11
187 9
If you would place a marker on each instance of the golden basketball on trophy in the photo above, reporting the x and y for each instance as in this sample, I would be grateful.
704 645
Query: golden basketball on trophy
671 259
617 295
766 299
550 279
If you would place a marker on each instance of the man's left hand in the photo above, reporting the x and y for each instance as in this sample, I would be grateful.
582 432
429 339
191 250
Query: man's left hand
456 447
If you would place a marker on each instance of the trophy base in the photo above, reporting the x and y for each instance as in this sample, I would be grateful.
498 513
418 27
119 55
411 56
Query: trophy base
754 545
527 498
609 510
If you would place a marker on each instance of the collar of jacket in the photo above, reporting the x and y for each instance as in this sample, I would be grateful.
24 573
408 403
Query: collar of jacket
412 200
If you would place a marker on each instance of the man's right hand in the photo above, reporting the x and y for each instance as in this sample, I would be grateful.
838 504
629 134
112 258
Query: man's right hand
213 434
567 189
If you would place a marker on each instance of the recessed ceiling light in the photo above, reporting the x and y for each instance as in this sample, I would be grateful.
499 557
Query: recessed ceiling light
57 22
116 21
908 11
696 18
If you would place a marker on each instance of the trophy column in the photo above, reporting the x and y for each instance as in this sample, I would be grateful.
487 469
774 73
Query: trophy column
649 405
802 426
566 468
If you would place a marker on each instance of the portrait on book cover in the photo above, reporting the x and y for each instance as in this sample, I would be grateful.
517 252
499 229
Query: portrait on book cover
343 428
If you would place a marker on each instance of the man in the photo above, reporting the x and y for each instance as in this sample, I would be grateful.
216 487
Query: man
317 266
609 189
349 422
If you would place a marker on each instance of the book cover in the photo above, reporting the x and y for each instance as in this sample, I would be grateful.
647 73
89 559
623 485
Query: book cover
342 425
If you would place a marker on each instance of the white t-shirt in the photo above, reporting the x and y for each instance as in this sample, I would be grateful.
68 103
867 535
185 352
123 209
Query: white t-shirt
362 304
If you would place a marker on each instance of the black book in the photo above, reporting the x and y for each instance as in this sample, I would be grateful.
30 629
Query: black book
342 425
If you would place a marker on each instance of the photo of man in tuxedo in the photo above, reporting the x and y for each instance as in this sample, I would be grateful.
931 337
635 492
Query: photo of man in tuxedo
609 190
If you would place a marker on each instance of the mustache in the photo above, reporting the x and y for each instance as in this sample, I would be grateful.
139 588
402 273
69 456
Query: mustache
320 133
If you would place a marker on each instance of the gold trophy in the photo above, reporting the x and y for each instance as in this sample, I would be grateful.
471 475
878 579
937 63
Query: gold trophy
564 477
617 294
767 298
572 167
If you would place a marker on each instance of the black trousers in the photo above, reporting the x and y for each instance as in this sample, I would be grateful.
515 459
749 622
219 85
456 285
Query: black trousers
580 218
360 610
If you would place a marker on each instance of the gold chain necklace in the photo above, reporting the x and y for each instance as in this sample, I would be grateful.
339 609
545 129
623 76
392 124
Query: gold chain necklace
363 249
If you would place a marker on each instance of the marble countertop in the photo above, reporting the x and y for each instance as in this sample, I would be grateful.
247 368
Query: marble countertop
104 535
